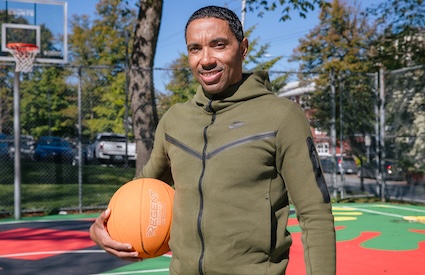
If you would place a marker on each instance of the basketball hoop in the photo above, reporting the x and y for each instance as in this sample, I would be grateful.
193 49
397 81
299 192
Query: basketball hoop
24 55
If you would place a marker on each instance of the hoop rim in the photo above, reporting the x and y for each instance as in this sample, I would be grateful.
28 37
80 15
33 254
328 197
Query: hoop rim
27 47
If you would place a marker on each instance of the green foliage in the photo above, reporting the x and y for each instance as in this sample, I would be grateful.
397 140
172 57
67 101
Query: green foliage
103 42
34 88
401 40
110 107
339 45
400 44
288 6
257 58
48 105
183 84
6 101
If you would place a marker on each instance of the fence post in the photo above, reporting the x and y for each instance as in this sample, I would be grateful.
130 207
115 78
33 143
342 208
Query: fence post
341 136
382 131
80 152
333 133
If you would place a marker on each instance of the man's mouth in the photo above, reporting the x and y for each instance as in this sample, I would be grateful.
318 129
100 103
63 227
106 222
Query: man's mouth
210 77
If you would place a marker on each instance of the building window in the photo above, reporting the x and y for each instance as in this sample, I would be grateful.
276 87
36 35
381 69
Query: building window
323 148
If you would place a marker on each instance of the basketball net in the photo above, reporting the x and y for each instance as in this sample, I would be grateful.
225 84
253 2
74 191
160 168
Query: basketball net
24 55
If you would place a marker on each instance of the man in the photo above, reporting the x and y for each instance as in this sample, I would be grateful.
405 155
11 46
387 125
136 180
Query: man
236 154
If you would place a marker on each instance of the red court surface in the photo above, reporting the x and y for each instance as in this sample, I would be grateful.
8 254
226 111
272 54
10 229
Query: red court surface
44 242
371 239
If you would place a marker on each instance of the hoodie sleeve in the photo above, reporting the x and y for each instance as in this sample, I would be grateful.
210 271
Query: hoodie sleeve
158 165
300 168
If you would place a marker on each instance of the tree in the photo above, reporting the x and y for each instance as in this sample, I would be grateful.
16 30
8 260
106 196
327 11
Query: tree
6 72
57 113
338 45
399 50
142 90
182 85
100 47
302 6
49 106
255 60
6 101
401 40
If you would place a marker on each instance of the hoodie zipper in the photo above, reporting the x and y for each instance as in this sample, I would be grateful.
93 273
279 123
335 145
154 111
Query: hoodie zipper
201 195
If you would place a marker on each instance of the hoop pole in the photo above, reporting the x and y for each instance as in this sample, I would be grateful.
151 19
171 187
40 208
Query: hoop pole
17 141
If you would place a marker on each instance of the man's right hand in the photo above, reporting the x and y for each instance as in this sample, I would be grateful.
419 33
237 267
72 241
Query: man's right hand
100 235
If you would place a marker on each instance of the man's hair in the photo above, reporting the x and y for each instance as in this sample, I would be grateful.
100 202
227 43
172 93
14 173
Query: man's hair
225 14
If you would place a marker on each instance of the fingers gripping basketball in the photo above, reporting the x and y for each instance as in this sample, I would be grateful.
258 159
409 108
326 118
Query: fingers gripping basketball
141 214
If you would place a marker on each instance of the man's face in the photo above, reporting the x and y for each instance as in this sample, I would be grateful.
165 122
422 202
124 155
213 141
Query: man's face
215 55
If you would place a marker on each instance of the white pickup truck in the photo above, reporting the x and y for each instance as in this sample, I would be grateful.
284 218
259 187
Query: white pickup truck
111 148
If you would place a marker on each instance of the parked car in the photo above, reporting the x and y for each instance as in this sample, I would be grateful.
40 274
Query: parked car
27 148
56 149
346 165
75 160
5 142
110 148
392 170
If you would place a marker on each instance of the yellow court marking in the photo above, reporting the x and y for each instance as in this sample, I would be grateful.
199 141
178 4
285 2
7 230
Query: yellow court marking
343 208
420 219
348 213
341 219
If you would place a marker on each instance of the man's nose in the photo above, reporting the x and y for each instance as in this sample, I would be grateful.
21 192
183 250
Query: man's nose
207 59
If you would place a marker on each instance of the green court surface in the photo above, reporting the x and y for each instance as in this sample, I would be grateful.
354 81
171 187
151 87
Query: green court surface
373 238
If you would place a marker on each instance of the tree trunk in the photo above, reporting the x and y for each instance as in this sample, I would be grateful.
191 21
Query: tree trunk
141 85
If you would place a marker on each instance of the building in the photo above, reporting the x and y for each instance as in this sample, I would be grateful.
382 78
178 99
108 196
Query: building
298 92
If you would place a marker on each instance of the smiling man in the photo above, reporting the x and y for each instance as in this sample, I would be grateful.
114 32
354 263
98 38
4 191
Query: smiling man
236 153
215 53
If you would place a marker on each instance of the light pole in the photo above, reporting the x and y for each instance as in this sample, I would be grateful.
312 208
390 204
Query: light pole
243 12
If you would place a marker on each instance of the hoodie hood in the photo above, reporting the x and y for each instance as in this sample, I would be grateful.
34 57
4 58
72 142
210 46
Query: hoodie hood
252 85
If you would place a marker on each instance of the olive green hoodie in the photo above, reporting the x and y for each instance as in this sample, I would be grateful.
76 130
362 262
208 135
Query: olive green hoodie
235 157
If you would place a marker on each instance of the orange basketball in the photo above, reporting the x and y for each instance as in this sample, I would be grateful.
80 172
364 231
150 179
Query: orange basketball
141 214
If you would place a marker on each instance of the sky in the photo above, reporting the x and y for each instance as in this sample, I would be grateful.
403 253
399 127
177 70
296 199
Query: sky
282 37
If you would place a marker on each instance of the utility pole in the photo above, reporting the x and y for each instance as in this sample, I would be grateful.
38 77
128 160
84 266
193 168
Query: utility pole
243 13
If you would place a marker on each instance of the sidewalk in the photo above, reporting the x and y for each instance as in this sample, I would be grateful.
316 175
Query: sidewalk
350 186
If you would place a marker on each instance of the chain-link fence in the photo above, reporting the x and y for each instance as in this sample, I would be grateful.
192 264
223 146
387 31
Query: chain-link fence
76 147
368 129
65 165
403 133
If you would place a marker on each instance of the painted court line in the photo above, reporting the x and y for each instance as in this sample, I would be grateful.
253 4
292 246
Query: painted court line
376 212
51 252
43 221
135 272
402 208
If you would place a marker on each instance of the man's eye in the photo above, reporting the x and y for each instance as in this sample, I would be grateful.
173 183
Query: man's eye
220 45
194 50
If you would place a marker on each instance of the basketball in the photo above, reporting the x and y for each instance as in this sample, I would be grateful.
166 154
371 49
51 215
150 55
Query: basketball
141 214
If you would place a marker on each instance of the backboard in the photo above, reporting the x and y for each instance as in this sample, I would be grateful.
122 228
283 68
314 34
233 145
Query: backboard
39 22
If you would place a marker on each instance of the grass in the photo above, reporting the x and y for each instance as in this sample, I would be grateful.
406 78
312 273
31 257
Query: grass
50 187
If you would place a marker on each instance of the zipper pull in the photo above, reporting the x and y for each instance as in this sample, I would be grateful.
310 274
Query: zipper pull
209 107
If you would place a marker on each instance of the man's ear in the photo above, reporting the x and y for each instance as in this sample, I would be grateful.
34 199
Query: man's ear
244 47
